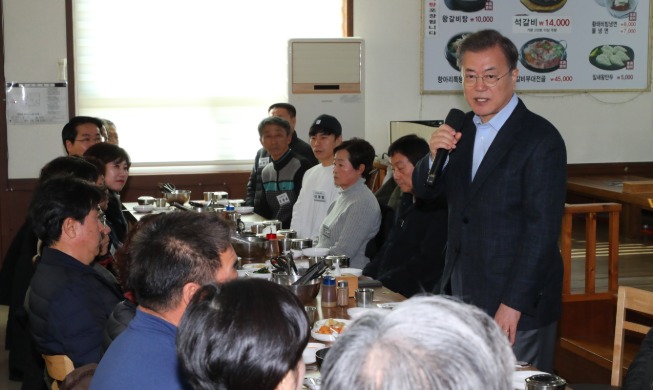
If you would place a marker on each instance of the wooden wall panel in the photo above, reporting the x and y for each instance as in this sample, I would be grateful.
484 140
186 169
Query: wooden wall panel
14 202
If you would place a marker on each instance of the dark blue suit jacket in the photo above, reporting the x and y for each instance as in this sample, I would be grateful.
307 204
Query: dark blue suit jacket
505 224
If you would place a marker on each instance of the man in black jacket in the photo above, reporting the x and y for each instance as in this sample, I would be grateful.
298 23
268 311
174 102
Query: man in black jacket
412 258
69 302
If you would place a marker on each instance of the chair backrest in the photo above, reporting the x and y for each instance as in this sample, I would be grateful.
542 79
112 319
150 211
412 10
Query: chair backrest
58 366
629 298
590 211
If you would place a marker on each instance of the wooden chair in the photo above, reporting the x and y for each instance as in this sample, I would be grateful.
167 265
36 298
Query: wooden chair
58 366
629 298
586 328
377 175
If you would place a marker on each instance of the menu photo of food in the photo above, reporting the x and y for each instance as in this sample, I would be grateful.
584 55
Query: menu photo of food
543 5
611 57
620 8
543 55
451 49
465 5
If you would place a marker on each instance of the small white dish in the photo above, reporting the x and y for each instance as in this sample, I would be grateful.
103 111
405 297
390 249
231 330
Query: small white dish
244 209
315 252
309 352
251 267
352 271
144 208
330 338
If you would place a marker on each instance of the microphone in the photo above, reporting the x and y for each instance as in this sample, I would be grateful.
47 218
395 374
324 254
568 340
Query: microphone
455 119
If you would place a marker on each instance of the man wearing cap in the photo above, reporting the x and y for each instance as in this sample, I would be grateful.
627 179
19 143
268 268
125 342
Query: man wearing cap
288 112
318 190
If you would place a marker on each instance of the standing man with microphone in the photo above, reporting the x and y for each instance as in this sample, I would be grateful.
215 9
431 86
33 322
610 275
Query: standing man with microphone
505 181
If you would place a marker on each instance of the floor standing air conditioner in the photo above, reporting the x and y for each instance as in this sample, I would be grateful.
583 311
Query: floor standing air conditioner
326 76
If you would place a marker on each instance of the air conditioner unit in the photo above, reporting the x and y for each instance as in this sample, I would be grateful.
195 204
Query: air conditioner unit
326 76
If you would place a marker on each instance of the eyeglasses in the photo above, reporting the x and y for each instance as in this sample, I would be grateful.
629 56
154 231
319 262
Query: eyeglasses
87 140
490 80
102 219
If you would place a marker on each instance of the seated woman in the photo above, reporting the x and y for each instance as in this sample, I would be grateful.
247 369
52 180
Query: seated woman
116 171
354 218
246 334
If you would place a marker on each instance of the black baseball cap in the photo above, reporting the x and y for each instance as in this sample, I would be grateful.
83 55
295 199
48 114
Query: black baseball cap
326 124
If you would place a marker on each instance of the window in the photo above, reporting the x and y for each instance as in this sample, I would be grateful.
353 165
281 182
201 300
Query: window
187 83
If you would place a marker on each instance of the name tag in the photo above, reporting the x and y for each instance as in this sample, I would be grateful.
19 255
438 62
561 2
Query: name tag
319 196
283 199
263 161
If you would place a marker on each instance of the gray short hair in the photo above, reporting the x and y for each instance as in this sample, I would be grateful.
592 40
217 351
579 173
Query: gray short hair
426 342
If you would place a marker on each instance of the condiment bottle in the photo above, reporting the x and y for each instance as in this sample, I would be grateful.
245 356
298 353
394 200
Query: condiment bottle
329 298
271 246
343 293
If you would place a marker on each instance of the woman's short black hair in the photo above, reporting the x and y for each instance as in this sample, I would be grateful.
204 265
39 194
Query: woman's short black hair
360 152
108 153
245 334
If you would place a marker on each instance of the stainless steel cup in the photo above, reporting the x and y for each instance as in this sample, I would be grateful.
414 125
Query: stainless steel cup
364 297
160 202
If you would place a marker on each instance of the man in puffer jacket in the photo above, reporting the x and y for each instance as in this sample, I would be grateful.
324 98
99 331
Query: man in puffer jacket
69 302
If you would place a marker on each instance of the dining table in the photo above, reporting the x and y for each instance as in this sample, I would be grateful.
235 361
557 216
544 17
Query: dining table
383 298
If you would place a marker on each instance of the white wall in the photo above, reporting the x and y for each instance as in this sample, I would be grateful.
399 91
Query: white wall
35 40
598 127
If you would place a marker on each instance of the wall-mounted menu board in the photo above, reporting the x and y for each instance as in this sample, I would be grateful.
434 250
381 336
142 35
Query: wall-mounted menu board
564 45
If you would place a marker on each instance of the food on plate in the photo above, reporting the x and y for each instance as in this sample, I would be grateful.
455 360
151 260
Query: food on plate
611 57
620 5
543 53
262 270
330 326
451 50
455 43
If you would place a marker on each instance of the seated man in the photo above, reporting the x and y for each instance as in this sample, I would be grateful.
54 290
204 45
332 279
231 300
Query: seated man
80 133
412 258
172 256
69 302
281 180
288 112
426 342
318 189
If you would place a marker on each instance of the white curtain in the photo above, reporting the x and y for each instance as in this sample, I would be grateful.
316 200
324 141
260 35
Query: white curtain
187 83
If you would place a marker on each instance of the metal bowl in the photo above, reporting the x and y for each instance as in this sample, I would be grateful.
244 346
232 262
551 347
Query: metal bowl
145 200
249 247
301 243
305 293
178 196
